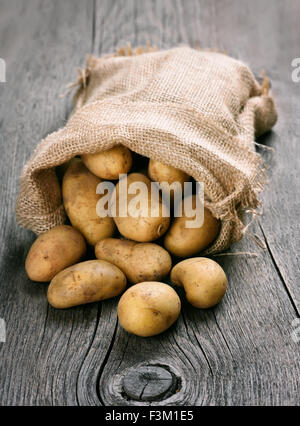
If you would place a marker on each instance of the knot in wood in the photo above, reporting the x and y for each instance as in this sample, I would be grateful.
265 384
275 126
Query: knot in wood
149 383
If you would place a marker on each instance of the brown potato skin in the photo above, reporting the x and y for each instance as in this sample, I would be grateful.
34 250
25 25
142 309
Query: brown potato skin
85 282
204 281
109 164
80 201
141 229
159 172
139 261
53 251
148 308
185 242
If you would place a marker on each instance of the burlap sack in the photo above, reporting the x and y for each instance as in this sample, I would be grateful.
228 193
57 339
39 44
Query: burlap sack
190 109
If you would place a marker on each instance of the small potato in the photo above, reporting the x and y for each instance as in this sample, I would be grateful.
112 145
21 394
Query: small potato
143 228
265 115
159 172
204 281
80 201
148 308
54 251
109 164
86 282
185 242
139 261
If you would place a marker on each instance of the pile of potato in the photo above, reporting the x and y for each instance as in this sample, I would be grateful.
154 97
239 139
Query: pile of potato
149 306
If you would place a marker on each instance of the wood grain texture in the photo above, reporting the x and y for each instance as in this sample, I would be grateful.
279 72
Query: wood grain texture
240 353
45 348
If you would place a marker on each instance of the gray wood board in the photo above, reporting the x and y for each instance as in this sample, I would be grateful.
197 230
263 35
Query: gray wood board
241 352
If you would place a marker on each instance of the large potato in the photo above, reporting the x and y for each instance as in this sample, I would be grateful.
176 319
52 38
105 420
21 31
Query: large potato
53 251
109 164
139 261
86 282
80 201
159 172
148 308
185 242
204 281
146 227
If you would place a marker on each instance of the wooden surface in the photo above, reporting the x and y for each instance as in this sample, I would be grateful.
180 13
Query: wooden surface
241 352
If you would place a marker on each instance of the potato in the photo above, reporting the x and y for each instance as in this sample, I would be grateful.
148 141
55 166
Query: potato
148 308
185 242
139 261
80 201
204 281
53 251
85 282
265 115
159 172
141 229
109 164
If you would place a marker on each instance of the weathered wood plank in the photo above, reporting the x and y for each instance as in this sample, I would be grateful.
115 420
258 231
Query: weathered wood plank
43 43
239 353
242 351
271 43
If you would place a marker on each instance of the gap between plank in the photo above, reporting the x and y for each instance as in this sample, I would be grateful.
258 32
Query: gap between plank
279 272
